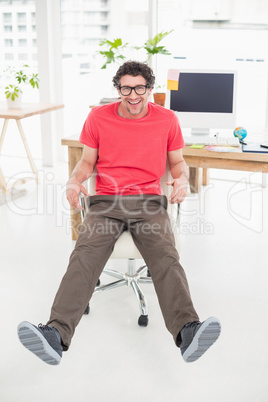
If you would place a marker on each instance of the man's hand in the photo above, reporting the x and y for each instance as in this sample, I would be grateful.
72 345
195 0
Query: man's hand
179 189
73 188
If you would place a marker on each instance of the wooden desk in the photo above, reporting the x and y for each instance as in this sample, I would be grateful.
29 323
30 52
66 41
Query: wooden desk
195 159
27 110
202 158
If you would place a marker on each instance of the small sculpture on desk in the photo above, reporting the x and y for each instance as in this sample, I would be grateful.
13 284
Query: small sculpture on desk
240 132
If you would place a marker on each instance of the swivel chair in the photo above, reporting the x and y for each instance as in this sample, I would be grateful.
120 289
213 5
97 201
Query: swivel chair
126 249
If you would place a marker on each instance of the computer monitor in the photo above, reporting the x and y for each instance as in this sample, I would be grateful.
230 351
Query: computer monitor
206 99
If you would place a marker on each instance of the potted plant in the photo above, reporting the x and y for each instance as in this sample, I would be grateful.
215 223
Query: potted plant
113 51
151 46
160 95
18 78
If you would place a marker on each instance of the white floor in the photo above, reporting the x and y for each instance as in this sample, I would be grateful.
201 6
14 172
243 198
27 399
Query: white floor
224 252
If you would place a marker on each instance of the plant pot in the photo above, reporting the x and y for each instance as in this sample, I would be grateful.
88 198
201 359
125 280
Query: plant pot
14 104
160 98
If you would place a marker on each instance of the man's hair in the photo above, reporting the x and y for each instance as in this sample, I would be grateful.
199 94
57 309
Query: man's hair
134 68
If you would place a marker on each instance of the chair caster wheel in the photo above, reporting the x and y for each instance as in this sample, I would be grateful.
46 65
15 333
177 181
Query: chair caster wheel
143 321
98 283
87 310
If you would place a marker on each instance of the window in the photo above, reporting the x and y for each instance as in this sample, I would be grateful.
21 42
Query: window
21 18
8 28
23 56
104 29
7 17
9 56
104 16
8 42
90 16
22 28
91 42
22 42
67 55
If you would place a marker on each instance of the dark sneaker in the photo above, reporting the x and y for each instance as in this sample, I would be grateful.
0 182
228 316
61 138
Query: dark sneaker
43 341
197 337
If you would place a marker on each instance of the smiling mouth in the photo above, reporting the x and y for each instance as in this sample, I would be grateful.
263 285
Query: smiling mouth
134 103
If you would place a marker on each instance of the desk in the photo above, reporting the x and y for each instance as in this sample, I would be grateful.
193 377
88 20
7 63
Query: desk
195 159
27 110
202 158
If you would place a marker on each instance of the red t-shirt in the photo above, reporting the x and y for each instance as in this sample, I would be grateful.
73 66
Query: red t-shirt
131 153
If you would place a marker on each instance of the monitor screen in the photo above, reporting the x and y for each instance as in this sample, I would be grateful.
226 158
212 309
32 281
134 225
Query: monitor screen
205 100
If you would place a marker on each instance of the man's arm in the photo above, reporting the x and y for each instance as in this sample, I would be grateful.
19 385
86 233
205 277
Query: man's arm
81 172
180 173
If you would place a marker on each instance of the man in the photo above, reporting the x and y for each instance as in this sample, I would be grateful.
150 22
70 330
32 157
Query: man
128 142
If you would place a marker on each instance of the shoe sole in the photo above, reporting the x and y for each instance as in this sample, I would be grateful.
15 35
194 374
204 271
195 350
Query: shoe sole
34 341
207 334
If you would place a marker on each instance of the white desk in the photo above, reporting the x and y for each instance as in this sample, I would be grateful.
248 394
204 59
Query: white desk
27 110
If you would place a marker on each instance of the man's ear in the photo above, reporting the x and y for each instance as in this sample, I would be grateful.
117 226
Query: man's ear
118 92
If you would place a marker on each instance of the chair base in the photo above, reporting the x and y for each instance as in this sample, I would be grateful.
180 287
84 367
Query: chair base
131 278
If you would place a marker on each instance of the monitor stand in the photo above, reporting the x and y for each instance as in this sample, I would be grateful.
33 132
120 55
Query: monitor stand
200 131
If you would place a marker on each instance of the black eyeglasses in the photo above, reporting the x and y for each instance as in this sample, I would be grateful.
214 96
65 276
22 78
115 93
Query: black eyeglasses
139 89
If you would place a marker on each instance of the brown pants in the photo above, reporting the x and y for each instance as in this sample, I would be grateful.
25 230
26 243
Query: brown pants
146 217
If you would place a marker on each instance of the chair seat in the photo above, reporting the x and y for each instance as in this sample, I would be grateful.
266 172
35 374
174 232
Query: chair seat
125 247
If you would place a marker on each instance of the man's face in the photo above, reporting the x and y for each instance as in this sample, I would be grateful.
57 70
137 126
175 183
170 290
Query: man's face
133 106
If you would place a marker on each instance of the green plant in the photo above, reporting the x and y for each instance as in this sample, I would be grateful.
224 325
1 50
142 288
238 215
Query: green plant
113 51
151 45
19 78
160 88
12 92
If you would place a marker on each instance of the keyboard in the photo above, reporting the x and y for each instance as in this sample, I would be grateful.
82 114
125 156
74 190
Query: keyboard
208 140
